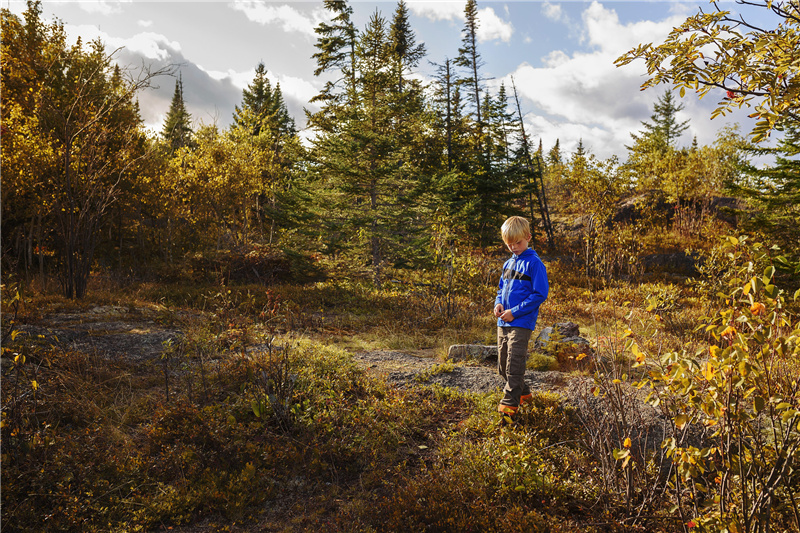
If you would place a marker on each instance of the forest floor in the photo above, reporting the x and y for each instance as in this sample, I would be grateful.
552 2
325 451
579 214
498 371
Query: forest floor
139 336
136 334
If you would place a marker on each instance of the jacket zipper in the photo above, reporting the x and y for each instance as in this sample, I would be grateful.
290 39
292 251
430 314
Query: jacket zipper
507 288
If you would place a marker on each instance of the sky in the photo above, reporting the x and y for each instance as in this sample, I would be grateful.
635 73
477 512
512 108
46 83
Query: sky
560 55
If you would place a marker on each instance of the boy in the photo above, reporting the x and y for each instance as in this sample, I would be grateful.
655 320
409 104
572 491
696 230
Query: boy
523 288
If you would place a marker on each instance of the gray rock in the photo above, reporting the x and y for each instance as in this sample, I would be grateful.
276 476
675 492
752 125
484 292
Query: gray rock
472 352
568 332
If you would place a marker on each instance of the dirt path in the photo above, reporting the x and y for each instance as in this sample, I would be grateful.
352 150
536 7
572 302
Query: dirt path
115 332
407 369
108 331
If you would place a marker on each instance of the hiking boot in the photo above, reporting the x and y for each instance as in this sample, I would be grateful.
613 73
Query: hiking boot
507 413
525 399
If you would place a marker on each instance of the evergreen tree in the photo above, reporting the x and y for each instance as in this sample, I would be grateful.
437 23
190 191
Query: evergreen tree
469 57
367 158
177 130
336 43
448 108
406 53
664 130
502 127
284 123
554 155
775 190
262 107
654 158
257 101
529 174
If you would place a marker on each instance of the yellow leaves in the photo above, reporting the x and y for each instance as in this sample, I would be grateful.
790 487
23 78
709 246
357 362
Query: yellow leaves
640 356
730 331
580 356
709 370
626 443
758 308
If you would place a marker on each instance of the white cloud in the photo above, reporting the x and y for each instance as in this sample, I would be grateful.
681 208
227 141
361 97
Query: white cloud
289 19
491 27
579 95
104 7
300 89
145 23
148 44
437 11
553 12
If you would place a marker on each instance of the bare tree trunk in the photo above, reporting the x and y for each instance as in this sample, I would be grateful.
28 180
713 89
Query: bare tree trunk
40 240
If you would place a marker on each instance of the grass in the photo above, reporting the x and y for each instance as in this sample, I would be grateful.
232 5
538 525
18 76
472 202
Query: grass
298 437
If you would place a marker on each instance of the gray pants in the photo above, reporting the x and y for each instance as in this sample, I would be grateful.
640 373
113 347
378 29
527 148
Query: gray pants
512 355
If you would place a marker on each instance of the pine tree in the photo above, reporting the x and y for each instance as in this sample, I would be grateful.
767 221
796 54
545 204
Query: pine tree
653 158
448 108
366 154
406 53
264 108
469 57
177 129
529 171
336 43
664 130
283 121
554 155
775 190
256 102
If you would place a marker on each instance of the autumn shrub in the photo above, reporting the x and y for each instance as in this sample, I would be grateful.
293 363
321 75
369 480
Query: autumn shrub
735 404
486 478
541 362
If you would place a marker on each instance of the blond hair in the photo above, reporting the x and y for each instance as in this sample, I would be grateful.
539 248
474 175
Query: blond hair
515 228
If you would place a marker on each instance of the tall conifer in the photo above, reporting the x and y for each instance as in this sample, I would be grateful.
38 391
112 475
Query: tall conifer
366 152
406 53
469 57
177 130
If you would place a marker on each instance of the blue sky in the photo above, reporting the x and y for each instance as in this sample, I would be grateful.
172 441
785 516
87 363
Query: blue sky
560 54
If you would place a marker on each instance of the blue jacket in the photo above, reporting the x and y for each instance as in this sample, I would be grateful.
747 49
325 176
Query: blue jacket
523 287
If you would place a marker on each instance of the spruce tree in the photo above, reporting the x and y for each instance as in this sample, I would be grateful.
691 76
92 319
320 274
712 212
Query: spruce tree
406 53
282 120
653 158
177 130
336 43
263 107
257 102
366 152
775 190
469 57
664 130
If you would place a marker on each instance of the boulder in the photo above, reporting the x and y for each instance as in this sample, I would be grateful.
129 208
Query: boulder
564 342
568 332
472 352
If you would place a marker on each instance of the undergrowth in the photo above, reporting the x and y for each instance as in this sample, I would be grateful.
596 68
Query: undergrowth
255 418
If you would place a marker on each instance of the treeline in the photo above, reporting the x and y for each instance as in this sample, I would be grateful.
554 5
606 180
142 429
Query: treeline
397 174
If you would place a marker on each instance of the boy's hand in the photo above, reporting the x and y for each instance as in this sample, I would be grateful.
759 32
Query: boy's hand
506 316
498 310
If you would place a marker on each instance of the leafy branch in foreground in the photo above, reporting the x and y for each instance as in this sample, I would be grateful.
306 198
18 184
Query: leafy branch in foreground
736 406
719 51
